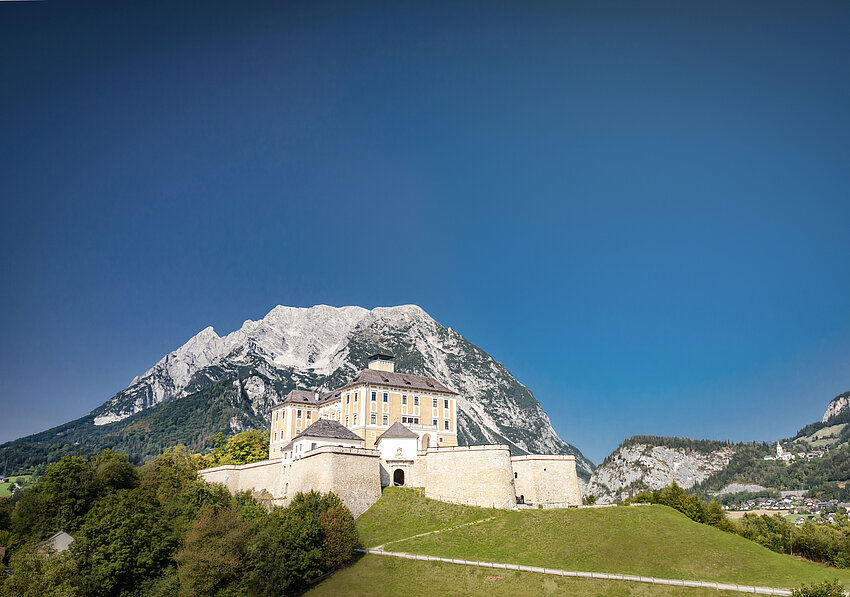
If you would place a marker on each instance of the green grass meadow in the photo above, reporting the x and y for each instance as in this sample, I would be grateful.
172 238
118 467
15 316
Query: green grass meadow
6 488
638 540
382 576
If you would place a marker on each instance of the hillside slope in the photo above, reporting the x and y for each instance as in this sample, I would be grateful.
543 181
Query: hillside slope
239 376
642 540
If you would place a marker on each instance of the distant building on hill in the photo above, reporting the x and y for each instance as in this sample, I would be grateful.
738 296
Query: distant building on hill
389 428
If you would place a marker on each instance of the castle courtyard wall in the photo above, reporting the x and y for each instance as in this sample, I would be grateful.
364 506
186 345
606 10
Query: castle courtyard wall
546 479
351 473
473 475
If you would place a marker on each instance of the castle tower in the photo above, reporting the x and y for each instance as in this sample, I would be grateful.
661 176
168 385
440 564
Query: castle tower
382 362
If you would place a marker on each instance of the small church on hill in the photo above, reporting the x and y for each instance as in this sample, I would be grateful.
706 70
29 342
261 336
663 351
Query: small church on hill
390 428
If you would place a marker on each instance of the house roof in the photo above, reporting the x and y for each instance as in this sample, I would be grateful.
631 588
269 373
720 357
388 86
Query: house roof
398 380
300 397
57 542
328 429
397 430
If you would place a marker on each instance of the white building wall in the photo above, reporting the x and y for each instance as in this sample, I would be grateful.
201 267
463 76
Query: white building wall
389 446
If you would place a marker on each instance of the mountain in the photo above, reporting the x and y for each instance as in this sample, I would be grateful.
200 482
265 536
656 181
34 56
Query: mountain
837 406
228 383
650 462
715 467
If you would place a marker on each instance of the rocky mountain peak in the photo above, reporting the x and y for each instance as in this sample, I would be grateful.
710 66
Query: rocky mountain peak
322 347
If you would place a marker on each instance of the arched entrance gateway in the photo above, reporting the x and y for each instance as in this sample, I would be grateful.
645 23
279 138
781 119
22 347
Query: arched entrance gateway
398 477
426 441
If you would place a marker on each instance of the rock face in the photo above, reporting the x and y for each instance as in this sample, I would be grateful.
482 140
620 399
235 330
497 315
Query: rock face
633 468
739 488
838 405
322 347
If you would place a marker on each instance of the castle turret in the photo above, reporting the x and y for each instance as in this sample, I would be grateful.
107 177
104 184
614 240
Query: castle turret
382 362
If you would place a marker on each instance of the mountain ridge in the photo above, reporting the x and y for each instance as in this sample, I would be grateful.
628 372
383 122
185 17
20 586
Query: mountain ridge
321 348
644 462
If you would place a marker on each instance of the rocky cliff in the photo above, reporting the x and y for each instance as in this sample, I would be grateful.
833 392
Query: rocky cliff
837 406
639 465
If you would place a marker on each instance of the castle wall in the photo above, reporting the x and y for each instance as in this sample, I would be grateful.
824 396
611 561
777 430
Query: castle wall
351 473
256 476
546 479
474 475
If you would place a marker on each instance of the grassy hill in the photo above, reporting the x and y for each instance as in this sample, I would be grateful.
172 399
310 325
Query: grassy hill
639 540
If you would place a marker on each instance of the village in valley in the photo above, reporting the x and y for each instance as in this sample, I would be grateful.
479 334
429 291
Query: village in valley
792 505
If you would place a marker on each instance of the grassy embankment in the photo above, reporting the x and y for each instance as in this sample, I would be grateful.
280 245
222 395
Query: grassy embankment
642 540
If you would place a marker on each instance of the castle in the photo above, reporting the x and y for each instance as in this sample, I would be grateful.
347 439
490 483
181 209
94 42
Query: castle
389 428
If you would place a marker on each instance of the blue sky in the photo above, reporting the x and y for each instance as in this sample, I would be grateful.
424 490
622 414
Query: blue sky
641 211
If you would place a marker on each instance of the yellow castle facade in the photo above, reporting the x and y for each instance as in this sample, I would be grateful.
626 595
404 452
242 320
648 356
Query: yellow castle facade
368 405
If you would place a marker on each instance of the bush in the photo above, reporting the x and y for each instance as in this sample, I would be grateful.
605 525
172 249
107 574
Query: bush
824 589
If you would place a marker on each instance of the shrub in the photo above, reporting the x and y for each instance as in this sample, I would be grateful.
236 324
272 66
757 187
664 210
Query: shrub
824 589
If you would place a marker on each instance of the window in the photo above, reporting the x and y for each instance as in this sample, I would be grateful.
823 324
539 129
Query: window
297 430
313 446
355 396
346 420
416 401
348 398
435 423
446 424
298 413
309 414
386 420
386 398
404 398
441 440
374 397
275 436
434 401
373 419
445 403
515 476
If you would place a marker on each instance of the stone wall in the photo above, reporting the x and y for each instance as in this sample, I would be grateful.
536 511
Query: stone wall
351 473
257 476
474 475
546 479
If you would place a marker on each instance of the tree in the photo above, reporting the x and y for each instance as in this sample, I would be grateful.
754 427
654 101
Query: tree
59 501
125 539
341 538
242 448
287 554
38 574
5 514
213 559
114 471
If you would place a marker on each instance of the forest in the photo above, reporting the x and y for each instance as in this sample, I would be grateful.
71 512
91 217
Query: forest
159 530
